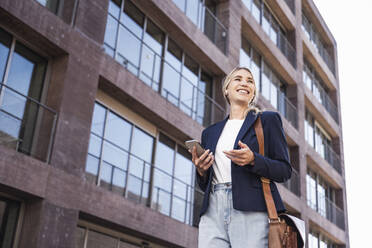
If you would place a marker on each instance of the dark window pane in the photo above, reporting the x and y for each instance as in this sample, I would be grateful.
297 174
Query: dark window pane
133 18
9 213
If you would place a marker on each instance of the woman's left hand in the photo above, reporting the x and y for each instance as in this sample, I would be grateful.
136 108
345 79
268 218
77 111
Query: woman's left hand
242 156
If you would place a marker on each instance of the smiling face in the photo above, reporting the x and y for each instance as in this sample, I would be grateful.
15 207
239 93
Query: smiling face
241 88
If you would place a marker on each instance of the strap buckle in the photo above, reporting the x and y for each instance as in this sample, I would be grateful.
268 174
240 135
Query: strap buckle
278 220
265 180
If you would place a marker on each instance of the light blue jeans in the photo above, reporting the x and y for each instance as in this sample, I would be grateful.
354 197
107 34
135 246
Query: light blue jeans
222 226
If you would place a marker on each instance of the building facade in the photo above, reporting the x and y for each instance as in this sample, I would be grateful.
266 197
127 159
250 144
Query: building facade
97 98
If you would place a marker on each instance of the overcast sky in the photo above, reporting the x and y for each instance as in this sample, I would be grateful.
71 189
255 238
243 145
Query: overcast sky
350 23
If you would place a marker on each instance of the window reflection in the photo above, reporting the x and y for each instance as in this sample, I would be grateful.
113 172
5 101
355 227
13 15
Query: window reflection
142 53
120 159
25 81
9 214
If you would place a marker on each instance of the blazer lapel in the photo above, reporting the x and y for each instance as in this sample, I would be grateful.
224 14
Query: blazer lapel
248 122
217 133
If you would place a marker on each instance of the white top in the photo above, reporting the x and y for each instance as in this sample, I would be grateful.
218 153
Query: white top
222 164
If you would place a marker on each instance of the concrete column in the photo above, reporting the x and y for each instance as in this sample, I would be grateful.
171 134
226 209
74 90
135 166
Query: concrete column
46 225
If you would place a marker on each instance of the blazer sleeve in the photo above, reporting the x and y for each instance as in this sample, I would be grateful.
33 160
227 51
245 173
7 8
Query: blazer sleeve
275 164
202 182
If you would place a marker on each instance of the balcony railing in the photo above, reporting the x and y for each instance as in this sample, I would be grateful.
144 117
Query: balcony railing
145 183
192 100
279 39
293 184
328 103
314 38
291 5
26 125
335 214
206 21
288 110
287 49
333 158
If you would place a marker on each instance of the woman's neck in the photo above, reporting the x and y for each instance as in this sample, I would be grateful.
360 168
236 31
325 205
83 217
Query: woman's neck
238 112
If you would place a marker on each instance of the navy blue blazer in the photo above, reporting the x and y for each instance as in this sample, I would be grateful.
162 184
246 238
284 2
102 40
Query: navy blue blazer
247 194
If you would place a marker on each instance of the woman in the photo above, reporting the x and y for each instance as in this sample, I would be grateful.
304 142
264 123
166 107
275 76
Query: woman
234 212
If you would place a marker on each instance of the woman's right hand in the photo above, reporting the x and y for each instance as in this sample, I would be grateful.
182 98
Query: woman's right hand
203 162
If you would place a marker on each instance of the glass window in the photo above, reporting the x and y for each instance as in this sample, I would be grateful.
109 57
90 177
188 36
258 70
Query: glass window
248 3
118 130
129 48
182 186
193 10
52 5
256 10
311 190
152 50
5 41
140 165
132 18
266 20
114 8
188 85
9 214
321 199
111 31
274 91
180 4
313 240
265 88
204 103
171 72
256 67
18 114
163 174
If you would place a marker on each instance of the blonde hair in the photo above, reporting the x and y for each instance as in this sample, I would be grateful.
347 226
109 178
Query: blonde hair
253 103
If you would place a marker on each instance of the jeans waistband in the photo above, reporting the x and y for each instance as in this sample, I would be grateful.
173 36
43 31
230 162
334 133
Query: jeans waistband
221 186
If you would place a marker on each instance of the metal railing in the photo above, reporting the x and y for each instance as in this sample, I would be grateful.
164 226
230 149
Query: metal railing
26 125
291 5
288 110
198 105
332 158
287 49
147 191
335 214
293 184
315 39
281 41
206 21
326 101
327 208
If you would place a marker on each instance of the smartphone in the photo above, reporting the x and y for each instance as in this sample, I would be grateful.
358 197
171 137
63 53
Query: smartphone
191 143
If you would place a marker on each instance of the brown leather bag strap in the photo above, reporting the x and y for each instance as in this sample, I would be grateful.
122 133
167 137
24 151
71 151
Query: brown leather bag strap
271 209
